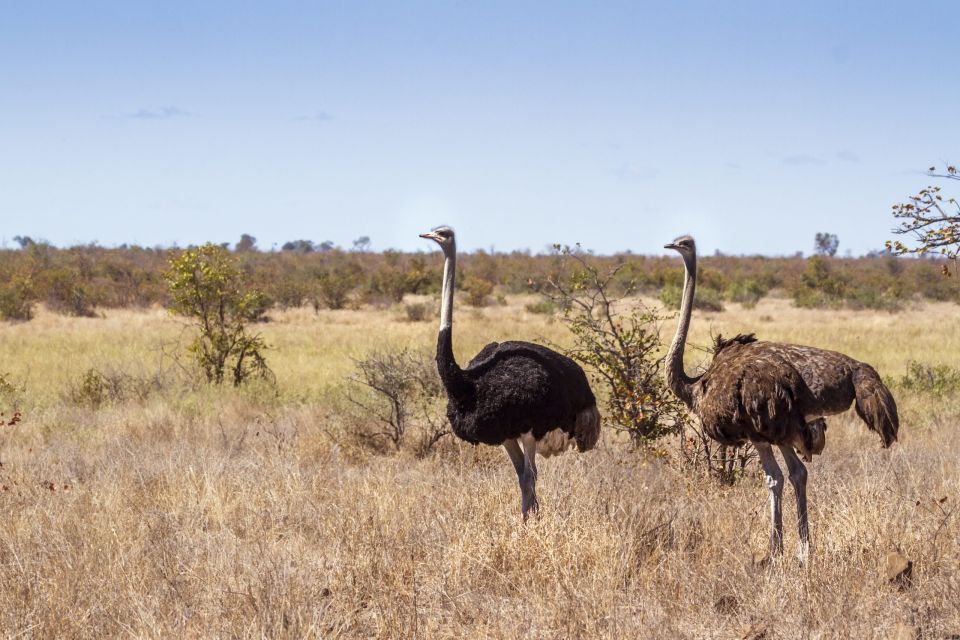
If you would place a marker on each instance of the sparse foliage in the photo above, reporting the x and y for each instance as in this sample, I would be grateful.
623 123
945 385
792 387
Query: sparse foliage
207 286
97 387
619 346
932 221
939 379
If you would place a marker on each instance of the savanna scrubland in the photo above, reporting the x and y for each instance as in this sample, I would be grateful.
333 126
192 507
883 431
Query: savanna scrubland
140 501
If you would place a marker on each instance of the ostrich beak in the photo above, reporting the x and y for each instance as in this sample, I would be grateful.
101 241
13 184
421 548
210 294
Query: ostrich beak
670 246
430 235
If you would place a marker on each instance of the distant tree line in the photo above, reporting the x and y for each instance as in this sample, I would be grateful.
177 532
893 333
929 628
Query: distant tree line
78 280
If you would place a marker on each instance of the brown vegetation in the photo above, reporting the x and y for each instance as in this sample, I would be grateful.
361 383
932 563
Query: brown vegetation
199 511
80 280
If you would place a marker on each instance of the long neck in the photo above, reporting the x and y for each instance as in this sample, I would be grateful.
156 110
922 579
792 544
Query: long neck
450 373
446 295
680 383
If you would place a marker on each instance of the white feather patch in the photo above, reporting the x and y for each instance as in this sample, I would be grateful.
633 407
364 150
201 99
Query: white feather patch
554 442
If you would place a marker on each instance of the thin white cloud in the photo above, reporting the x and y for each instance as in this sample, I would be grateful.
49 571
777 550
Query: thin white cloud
635 171
798 159
847 156
163 113
319 116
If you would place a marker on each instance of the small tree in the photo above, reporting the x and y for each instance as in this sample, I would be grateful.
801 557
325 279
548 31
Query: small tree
932 221
336 284
619 349
207 286
247 243
826 244
362 244
23 241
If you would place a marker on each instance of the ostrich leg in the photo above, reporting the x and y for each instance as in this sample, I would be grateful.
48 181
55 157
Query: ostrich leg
798 478
530 473
519 464
774 478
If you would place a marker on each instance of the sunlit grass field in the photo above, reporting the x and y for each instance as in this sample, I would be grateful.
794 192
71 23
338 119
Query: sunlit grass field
198 512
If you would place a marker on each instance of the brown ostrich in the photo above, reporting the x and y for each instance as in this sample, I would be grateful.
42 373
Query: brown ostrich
774 394
513 392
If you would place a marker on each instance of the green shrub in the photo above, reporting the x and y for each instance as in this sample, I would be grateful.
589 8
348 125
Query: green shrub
336 284
68 294
940 379
747 292
545 307
706 299
11 399
819 286
96 388
16 299
292 291
417 311
207 286
478 291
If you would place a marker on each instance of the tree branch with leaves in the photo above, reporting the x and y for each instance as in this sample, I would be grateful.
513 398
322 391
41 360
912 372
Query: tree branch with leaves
930 219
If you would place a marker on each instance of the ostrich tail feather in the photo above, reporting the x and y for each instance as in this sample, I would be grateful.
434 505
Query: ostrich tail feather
875 404
587 428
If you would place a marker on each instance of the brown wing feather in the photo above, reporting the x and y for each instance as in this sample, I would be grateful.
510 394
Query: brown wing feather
750 392
773 392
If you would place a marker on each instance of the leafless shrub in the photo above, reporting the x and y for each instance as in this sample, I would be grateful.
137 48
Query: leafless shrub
698 451
403 392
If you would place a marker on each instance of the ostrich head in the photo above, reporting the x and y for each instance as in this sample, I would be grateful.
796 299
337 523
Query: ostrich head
443 236
685 246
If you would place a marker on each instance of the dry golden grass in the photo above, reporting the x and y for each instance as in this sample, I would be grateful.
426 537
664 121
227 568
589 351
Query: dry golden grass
222 513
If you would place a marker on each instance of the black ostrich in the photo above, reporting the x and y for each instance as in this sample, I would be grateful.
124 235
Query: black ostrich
513 392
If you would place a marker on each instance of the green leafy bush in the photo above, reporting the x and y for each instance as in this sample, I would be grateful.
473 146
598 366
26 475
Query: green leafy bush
207 286
545 307
17 297
940 379
68 294
336 284
706 299
96 387
478 291
747 292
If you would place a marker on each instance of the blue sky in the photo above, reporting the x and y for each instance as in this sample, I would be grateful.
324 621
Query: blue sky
619 125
